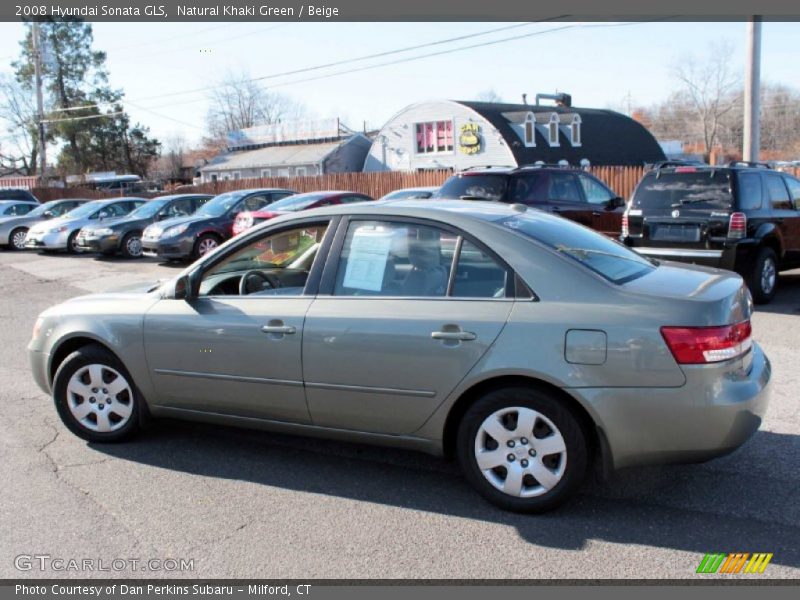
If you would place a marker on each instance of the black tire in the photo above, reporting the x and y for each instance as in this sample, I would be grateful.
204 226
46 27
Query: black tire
96 355
576 455
203 239
128 248
14 236
758 277
71 247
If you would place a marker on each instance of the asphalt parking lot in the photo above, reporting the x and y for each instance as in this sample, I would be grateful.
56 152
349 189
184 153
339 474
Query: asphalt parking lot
250 504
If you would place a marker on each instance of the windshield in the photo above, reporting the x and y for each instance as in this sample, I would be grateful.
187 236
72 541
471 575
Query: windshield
84 210
701 189
218 206
42 208
405 194
599 253
474 186
298 202
148 209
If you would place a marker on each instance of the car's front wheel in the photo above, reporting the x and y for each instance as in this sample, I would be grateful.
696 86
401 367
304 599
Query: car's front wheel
763 277
523 449
205 244
95 396
132 245
72 243
17 238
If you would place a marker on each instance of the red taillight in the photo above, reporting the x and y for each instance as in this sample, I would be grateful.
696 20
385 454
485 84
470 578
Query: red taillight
700 345
737 226
625 229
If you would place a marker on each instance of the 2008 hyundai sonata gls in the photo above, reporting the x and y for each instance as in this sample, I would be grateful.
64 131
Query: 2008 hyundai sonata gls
524 344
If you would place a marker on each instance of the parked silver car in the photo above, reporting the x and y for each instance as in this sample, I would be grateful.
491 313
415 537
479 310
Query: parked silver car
13 229
526 345
62 233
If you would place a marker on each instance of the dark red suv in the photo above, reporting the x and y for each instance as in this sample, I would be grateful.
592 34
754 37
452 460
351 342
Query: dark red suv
569 192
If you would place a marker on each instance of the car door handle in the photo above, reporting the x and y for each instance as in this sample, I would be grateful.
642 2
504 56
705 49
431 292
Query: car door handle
279 329
460 336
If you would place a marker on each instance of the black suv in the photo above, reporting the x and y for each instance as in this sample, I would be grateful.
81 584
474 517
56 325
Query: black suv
569 192
743 217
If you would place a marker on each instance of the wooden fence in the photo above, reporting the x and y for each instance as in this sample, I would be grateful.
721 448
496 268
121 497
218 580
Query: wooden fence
620 179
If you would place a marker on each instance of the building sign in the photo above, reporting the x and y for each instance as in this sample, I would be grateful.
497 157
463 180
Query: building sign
289 131
469 138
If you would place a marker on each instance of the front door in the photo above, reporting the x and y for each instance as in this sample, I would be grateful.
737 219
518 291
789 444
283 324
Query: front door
396 333
236 347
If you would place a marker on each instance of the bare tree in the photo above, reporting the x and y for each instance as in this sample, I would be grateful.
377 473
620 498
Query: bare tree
238 102
20 149
711 88
488 95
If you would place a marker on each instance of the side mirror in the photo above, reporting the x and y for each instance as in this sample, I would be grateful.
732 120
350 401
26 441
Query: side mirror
48 214
161 216
615 203
182 289
102 215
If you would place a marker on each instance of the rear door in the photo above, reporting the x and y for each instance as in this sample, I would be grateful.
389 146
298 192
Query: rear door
393 329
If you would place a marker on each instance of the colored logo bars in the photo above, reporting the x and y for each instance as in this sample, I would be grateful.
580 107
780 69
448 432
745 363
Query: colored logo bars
734 563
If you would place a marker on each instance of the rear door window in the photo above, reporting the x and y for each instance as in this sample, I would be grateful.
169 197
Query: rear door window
478 275
704 189
778 193
750 191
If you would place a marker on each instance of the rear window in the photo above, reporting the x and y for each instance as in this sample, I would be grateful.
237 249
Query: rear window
597 252
702 189
474 187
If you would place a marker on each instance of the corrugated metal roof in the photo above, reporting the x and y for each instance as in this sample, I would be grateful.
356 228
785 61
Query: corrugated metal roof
273 156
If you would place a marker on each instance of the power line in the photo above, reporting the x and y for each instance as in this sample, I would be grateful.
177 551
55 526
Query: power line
342 62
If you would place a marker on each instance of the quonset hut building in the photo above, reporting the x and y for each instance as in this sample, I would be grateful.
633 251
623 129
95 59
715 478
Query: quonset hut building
457 134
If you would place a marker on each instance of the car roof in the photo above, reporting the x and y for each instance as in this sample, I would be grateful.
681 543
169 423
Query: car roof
456 212
255 190
176 196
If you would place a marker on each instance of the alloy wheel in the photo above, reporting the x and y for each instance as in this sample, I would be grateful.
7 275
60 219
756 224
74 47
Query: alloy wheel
18 239
100 398
520 452
206 246
769 274
134 246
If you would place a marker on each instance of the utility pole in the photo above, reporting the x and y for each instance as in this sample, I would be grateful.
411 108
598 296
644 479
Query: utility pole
37 66
752 91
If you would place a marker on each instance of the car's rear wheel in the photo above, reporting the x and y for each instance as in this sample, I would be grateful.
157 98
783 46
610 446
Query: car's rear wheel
522 449
16 239
72 243
205 244
132 245
763 276
95 396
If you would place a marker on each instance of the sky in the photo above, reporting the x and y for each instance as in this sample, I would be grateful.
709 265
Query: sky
602 66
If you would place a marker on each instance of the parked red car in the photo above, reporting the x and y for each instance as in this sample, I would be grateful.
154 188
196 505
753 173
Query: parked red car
246 220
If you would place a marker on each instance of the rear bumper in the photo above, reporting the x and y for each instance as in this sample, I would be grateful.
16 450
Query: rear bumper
716 411
724 258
